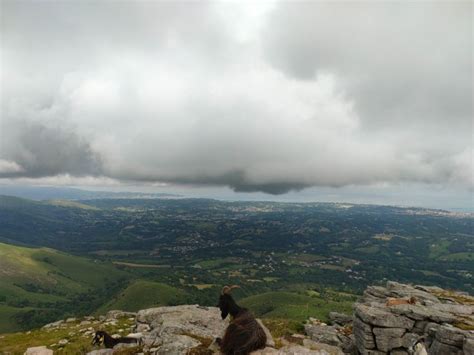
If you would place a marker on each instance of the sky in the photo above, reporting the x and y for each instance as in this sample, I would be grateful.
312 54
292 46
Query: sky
352 101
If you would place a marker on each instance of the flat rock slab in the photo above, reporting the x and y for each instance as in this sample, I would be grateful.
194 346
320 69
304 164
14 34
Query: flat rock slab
382 317
38 350
420 312
205 322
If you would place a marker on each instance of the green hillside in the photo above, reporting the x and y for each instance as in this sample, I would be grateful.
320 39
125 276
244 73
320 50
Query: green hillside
144 294
294 306
40 284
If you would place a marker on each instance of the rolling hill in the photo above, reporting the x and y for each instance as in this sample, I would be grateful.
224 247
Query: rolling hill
143 293
38 284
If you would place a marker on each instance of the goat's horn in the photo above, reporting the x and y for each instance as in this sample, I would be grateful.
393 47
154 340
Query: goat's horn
226 289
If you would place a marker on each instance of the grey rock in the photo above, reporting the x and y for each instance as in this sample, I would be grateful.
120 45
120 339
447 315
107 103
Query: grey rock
311 344
405 291
429 320
123 346
116 314
372 352
340 318
101 352
388 338
38 350
376 291
151 340
290 350
419 327
323 334
450 335
420 312
382 318
457 309
409 339
181 344
431 328
201 321
363 335
398 352
53 324
429 289
142 328
468 346
438 348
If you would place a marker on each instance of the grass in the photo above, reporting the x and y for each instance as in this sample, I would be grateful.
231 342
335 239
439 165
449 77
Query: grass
293 306
439 249
7 317
146 266
42 278
219 263
459 257
73 204
142 294
372 249
78 343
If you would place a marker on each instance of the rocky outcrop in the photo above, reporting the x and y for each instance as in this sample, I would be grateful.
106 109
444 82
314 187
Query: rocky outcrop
192 329
175 330
437 319
396 319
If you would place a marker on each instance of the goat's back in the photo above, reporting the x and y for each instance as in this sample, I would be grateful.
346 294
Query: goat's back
243 335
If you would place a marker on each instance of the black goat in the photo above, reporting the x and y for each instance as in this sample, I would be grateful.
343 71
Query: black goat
102 337
244 334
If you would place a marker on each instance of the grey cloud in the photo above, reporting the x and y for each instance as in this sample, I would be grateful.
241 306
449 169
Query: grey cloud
47 151
239 182
343 94
402 62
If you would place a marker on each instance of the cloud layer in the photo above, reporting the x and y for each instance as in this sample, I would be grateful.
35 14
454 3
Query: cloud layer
271 99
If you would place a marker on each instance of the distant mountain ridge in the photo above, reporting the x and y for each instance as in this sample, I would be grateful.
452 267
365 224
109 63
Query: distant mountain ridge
40 193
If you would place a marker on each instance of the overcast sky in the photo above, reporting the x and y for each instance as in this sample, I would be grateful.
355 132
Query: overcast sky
272 98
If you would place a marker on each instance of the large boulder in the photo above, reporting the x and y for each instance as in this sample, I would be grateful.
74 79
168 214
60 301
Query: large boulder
201 321
178 329
422 316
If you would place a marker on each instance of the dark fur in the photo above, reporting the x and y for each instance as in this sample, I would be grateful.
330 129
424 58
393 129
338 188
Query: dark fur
244 334
102 337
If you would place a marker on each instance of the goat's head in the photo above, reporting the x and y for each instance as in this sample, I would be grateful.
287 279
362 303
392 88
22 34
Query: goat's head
98 338
225 300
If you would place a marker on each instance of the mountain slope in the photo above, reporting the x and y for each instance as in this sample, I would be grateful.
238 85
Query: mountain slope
38 284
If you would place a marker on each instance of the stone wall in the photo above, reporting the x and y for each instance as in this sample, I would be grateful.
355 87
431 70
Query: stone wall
438 320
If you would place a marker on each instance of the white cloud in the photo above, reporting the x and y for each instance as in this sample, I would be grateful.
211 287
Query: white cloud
281 98
9 167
